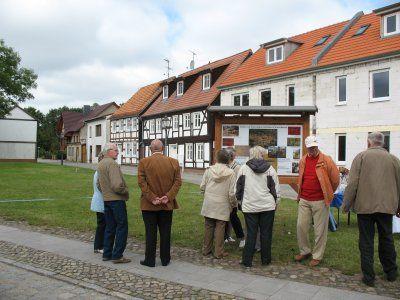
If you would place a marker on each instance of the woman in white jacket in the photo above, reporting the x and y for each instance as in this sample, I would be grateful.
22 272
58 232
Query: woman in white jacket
258 190
218 186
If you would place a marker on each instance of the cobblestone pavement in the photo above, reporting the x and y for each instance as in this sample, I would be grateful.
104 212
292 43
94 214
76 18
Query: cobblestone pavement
17 283
294 272
119 281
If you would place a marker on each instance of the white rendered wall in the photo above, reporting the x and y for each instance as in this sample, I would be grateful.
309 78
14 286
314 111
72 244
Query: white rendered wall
93 140
18 130
359 115
303 92
17 151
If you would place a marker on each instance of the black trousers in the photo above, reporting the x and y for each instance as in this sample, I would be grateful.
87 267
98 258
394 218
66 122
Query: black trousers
236 225
387 252
101 227
163 220
264 222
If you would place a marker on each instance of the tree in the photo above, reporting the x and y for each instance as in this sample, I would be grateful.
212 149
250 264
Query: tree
15 81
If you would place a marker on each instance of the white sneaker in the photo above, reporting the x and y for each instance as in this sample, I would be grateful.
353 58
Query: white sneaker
231 239
242 243
98 251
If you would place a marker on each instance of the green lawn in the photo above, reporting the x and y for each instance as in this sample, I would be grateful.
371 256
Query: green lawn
72 189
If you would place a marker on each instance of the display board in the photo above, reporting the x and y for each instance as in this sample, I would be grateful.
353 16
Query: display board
282 142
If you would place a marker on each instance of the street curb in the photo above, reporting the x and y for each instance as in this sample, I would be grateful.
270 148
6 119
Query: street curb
66 279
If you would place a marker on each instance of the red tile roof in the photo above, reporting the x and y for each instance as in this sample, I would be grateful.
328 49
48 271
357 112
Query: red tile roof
195 96
138 101
73 121
256 68
347 49
369 44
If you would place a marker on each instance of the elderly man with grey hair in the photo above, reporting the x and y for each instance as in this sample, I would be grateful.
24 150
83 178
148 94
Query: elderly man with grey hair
257 188
115 194
373 192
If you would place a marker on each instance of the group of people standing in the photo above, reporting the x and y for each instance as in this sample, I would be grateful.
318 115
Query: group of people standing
159 180
373 193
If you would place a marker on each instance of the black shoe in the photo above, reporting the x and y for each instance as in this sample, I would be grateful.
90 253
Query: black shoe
164 264
144 263
245 265
370 283
266 263
391 278
106 258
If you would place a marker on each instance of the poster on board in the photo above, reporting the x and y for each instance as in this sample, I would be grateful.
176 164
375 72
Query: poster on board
282 142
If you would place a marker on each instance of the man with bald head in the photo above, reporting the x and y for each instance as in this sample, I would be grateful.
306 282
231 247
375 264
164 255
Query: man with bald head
159 179
373 192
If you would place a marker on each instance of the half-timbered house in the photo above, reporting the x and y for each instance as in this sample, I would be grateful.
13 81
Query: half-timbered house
126 125
179 116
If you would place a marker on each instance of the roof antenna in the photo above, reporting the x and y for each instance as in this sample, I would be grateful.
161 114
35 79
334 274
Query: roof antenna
191 67
168 67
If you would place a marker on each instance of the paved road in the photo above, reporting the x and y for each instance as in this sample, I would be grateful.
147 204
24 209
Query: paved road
77 258
17 283
187 176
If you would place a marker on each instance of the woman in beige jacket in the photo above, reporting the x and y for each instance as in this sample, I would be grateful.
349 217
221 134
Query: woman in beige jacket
219 198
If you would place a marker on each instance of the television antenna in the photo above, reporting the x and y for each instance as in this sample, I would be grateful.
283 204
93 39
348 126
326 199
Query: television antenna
191 67
168 67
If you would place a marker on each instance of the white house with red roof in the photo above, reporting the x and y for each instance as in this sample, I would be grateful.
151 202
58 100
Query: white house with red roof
349 71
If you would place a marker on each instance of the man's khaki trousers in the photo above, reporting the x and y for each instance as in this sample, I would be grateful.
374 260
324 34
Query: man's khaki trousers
317 212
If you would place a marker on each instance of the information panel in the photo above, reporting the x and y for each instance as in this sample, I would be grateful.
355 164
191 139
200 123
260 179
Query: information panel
282 142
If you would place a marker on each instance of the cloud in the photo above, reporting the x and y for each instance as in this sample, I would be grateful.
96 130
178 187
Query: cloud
103 50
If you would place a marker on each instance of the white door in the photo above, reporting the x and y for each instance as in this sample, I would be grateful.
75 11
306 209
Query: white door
173 151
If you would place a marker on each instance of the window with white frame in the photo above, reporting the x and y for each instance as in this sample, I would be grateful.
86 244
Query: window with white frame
152 126
158 125
129 124
265 97
113 127
179 88
241 99
121 125
125 125
117 126
379 85
134 124
206 81
341 89
165 92
175 122
275 54
189 151
290 95
341 148
196 120
186 121
90 131
200 151
128 150
391 24
134 149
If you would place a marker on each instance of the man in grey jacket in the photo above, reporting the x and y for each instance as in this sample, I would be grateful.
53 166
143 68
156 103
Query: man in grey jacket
373 191
115 194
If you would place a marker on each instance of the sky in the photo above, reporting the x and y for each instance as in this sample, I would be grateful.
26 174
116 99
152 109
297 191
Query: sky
87 51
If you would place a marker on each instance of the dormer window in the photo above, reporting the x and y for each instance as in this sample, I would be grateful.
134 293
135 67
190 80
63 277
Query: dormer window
361 30
322 40
179 88
206 81
391 24
275 54
165 92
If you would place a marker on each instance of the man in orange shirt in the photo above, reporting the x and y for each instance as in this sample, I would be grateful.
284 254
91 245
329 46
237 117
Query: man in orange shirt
318 179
